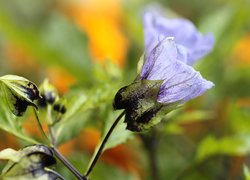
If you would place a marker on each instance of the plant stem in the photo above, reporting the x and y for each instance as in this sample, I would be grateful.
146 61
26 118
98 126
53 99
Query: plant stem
41 127
56 151
99 152
51 130
68 165
150 142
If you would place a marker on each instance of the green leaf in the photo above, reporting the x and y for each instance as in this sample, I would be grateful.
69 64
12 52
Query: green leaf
194 116
82 107
218 21
140 64
18 93
9 154
238 144
74 119
246 172
9 123
120 133
173 128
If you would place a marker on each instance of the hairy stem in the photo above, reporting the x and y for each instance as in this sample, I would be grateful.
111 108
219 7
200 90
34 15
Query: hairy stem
104 141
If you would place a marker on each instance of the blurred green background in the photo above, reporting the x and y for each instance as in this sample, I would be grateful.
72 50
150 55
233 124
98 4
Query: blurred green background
89 49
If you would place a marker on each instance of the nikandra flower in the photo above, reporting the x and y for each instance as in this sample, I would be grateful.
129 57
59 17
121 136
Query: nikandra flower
164 83
166 79
180 81
157 27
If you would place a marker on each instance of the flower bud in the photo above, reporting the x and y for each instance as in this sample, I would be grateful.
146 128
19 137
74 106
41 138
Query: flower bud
59 107
48 92
139 100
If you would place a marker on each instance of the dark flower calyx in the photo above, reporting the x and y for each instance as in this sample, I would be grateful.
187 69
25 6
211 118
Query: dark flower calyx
59 108
19 93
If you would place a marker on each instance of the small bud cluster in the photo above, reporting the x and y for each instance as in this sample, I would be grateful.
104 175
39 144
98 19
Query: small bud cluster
49 96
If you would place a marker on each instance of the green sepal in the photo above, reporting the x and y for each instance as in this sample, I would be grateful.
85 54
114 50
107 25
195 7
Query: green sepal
140 63
139 93
19 93
139 100
29 163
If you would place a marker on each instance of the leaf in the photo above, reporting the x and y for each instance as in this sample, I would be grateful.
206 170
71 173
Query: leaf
9 154
238 144
82 107
119 135
18 93
30 163
194 116
173 128
218 21
75 117
246 172
140 63
10 123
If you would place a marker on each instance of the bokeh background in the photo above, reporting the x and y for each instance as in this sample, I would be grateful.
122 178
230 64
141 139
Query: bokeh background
90 48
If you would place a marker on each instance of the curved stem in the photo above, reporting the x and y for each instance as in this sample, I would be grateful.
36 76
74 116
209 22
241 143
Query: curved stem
51 130
99 152
41 127
68 165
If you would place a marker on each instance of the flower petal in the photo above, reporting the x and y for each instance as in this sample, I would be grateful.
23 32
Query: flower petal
182 84
182 30
159 59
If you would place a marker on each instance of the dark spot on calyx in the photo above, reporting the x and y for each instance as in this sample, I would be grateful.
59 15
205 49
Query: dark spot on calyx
19 105
31 91
149 114
41 102
118 102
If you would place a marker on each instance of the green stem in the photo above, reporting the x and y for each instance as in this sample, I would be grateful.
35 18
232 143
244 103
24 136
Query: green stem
99 152
68 165
150 142
51 130
57 153
40 126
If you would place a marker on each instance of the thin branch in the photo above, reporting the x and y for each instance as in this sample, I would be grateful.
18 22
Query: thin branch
51 130
150 142
40 126
57 153
99 152
68 165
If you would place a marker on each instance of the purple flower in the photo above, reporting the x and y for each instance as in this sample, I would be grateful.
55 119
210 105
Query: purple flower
166 79
186 36
180 81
